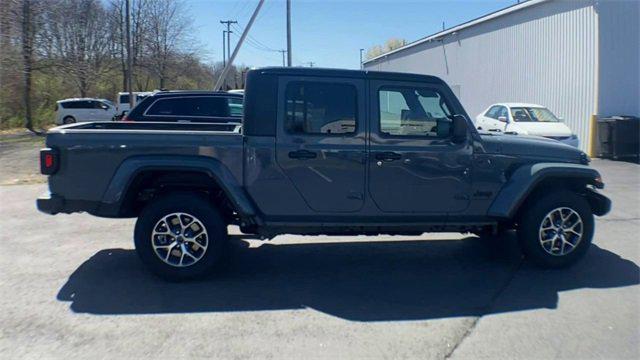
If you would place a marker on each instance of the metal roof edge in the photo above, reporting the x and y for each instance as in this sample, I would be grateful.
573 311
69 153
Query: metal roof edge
470 23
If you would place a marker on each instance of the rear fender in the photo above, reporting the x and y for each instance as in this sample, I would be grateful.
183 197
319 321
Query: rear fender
131 167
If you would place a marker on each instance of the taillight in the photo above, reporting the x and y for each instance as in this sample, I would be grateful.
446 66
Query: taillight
49 161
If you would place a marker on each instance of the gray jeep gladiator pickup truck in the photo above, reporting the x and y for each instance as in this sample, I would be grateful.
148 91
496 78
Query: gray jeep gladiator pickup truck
324 151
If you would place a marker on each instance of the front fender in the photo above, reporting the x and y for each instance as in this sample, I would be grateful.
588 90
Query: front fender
131 167
525 179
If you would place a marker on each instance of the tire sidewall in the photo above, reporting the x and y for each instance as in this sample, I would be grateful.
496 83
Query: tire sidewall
68 120
191 204
531 219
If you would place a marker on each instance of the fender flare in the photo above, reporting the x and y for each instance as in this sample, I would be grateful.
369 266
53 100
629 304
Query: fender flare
524 180
131 167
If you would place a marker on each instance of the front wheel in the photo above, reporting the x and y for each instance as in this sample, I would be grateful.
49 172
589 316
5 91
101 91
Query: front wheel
556 230
180 236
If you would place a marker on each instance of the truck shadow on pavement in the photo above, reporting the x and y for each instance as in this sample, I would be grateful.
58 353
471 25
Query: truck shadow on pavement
359 281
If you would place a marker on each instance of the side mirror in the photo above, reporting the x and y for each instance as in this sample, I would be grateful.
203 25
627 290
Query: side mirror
459 129
502 119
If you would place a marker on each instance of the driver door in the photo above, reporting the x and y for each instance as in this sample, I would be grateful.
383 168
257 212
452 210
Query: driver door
414 167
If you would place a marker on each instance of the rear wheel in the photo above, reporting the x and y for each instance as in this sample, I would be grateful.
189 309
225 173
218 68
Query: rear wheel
556 230
69 120
180 236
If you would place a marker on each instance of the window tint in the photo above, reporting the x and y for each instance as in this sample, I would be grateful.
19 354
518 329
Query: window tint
414 112
201 106
78 105
124 99
320 108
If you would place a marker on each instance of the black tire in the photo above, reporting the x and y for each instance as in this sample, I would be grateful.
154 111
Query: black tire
68 120
530 222
204 212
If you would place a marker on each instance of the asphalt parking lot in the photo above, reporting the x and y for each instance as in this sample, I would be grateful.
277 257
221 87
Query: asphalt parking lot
72 287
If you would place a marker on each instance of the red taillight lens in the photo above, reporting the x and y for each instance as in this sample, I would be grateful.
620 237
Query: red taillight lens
125 118
48 161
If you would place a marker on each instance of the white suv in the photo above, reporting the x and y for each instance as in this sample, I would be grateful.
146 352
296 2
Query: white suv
526 119
123 105
85 109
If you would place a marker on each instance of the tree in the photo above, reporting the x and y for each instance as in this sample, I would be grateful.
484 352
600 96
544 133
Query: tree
29 15
80 49
167 35
389 45
139 24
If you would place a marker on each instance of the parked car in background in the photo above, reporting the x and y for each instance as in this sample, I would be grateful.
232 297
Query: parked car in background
526 119
189 106
123 104
84 109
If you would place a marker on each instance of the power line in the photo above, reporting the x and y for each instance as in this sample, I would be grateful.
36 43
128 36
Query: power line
257 42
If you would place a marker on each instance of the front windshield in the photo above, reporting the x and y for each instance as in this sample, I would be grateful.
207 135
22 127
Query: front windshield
533 114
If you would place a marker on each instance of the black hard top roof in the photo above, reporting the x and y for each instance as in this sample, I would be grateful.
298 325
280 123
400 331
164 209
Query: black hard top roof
362 74
175 93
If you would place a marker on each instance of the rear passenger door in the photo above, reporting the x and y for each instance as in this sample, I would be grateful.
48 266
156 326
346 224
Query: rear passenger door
320 143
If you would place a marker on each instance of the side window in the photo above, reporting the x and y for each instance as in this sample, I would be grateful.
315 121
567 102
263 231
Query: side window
407 111
84 104
235 107
503 112
493 112
201 106
124 99
163 107
320 108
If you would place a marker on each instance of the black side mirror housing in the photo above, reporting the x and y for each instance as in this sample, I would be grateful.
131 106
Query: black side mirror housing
459 129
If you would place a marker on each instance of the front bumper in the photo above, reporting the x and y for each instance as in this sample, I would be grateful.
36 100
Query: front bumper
600 204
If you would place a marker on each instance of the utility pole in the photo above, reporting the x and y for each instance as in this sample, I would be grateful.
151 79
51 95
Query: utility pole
225 71
224 49
228 22
361 50
283 52
288 33
132 99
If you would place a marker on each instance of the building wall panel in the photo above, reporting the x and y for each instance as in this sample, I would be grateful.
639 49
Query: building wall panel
544 54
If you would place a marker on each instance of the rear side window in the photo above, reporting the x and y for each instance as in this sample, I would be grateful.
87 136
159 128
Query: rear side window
201 106
77 105
408 111
124 99
320 108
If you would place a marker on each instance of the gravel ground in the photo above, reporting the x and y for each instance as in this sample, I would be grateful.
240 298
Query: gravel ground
73 288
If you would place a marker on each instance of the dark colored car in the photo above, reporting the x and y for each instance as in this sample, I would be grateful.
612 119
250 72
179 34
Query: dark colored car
188 106
324 152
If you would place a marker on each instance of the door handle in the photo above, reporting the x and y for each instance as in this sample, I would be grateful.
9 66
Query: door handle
302 154
388 156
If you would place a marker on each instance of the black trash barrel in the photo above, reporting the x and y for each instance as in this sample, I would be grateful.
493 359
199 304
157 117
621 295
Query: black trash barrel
619 137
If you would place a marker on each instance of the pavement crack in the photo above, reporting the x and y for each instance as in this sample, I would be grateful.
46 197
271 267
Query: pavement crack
486 310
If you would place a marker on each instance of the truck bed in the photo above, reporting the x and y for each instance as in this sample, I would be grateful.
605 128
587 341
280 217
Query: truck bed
90 154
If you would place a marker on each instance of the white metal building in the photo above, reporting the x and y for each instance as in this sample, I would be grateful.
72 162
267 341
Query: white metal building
579 58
